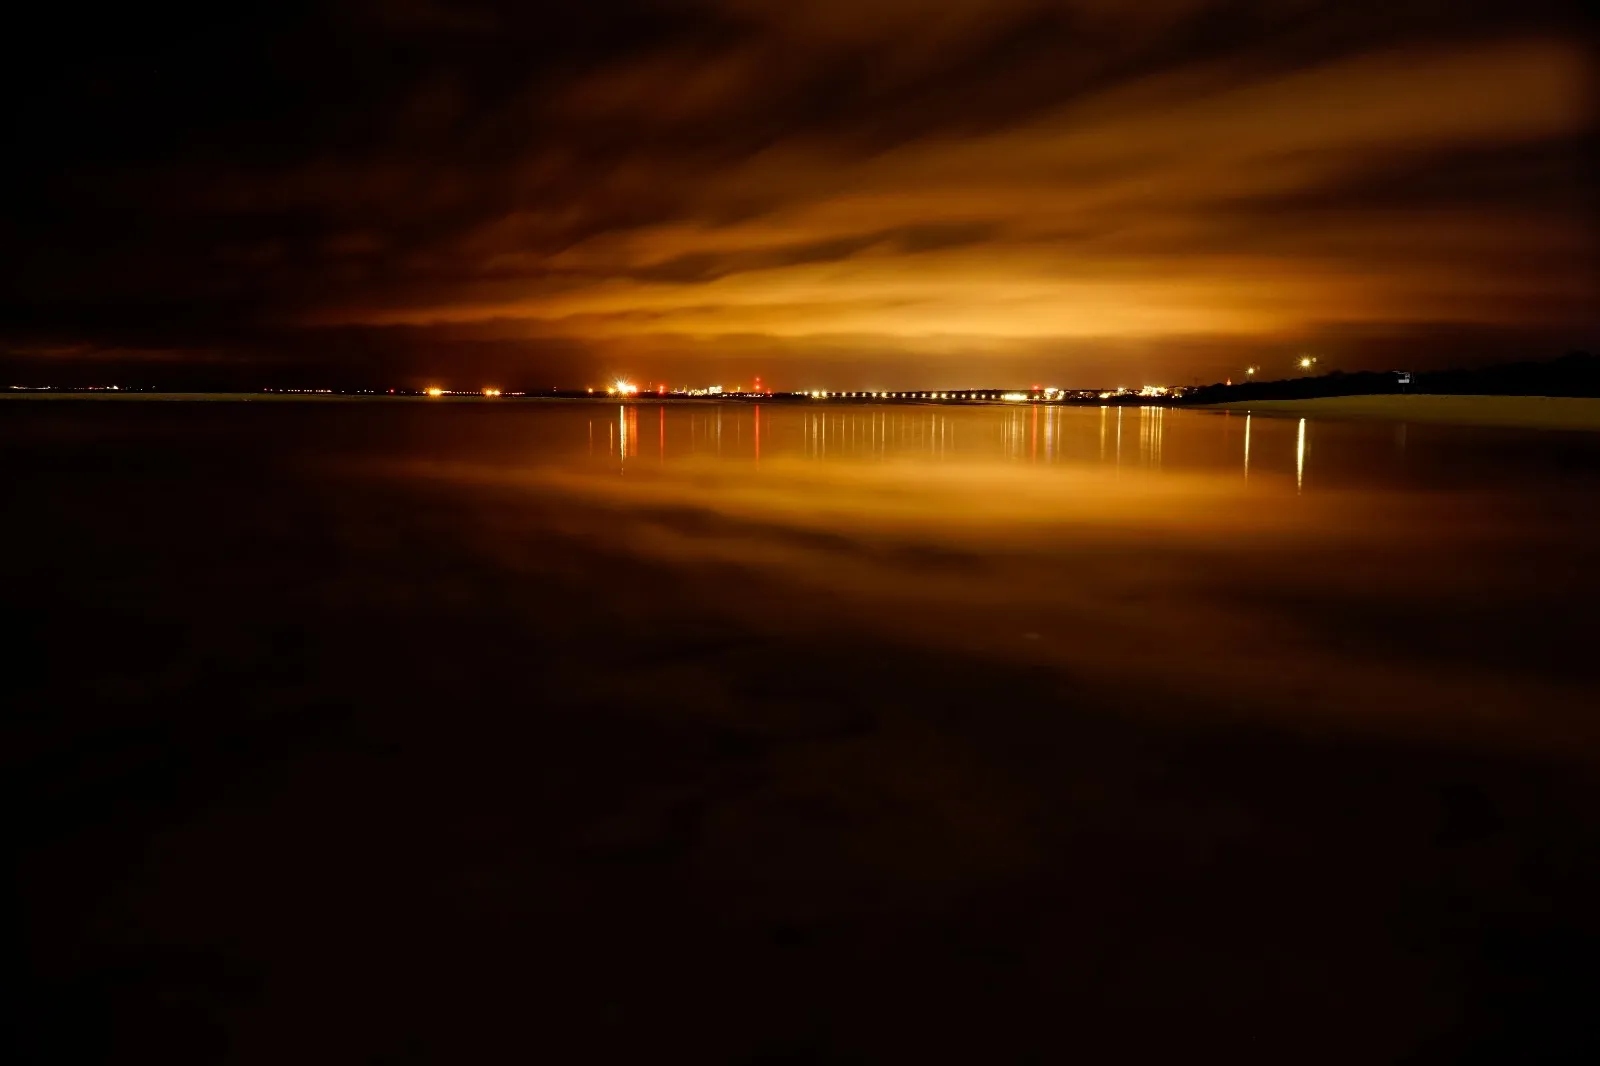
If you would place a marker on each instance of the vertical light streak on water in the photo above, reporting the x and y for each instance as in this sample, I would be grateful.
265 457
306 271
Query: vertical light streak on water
1119 439
1300 458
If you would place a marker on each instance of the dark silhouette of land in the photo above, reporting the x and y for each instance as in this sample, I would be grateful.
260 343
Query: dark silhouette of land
1575 374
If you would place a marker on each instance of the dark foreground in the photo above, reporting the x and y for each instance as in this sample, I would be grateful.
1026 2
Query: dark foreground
332 742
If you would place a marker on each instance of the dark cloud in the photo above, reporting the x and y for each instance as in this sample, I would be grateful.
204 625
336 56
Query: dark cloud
210 179
708 266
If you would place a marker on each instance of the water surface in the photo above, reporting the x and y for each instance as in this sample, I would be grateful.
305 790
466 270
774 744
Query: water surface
796 733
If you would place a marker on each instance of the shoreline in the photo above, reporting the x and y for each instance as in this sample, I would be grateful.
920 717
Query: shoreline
1581 413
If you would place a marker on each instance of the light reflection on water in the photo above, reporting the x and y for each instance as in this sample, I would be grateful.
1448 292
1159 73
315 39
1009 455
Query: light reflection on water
1314 569
1296 456
1304 568
1034 434
1143 440
1309 569
1300 457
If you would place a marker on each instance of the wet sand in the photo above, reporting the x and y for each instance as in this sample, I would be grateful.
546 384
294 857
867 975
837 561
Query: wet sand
351 736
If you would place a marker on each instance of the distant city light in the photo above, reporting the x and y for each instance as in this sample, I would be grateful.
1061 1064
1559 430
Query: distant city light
435 391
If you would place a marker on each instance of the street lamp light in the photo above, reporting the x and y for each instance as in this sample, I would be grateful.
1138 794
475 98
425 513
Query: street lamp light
1307 361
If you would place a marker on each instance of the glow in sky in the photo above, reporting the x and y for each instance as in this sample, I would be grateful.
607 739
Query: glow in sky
877 192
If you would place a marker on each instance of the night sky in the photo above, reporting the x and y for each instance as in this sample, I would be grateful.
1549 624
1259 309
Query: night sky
830 193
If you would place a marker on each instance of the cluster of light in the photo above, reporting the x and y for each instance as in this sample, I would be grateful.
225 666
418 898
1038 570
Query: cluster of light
1153 390
625 388
435 391
1048 393
491 392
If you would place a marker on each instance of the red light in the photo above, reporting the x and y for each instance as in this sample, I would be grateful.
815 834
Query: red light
1037 388
661 390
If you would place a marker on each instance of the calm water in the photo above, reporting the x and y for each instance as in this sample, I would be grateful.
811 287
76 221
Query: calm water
1138 439
1399 577
808 733
1302 454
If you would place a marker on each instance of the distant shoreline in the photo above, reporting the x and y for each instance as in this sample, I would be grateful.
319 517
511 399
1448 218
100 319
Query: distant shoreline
1512 412
128 395
646 399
